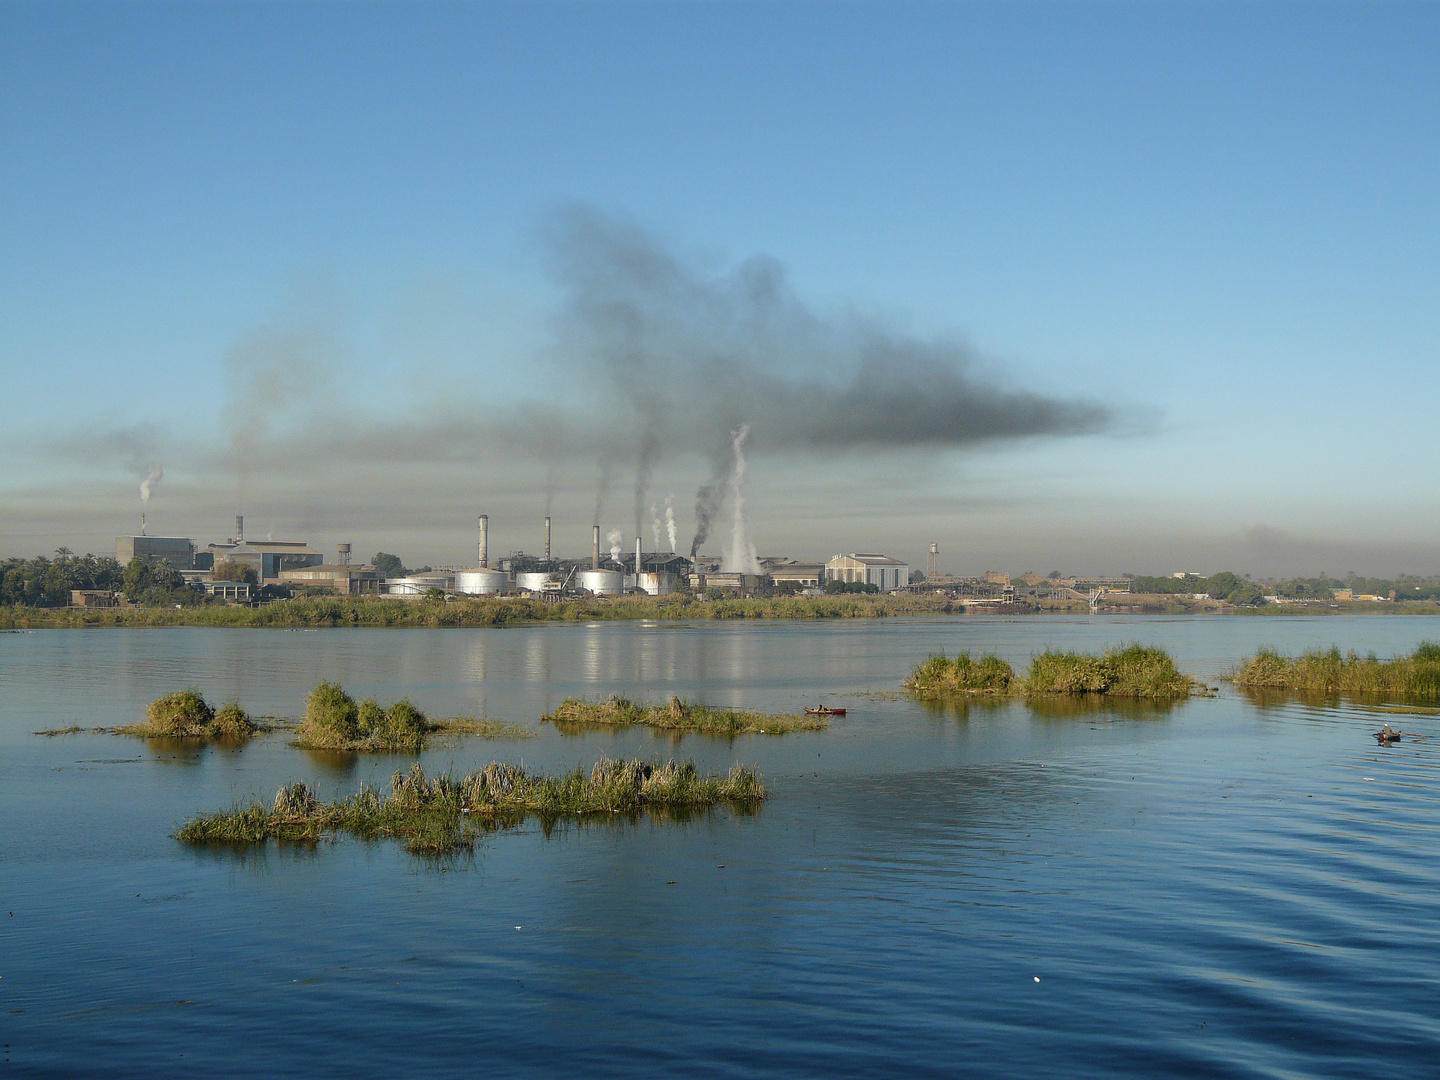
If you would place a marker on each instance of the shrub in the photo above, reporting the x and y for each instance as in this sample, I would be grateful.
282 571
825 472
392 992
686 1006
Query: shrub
181 715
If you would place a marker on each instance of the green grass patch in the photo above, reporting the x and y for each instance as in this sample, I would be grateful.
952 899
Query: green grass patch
186 714
444 813
1335 673
940 676
1135 671
336 721
678 715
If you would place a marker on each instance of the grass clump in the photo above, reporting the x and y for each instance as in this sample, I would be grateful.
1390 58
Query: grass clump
678 715
335 721
186 714
1136 671
1331 672
444 813
939 676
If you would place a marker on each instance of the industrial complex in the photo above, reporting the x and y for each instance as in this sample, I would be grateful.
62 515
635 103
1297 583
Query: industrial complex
238 569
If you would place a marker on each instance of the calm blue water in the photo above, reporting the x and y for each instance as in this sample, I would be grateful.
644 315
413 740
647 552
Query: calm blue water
1217 889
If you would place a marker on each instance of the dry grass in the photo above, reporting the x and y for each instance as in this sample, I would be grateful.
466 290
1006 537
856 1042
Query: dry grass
678 715
443 813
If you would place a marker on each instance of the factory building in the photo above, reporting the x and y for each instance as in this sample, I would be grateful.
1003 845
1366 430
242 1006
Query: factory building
806 575
879 570
180 550
339 575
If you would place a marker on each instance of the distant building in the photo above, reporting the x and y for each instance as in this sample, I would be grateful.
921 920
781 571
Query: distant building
806 575
997 577
343 578
879 570
267 558
95 598
180 550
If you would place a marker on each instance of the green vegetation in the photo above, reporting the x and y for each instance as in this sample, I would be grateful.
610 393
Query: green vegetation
439 814
185 714
1330 672
940 677
335 721
1135 671
678 715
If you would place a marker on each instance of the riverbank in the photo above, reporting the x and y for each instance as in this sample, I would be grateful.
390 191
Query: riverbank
325 612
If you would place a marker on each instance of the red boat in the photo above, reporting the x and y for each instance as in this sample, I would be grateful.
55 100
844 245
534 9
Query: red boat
825 710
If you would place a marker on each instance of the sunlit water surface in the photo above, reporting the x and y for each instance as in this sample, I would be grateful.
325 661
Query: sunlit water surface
1224 888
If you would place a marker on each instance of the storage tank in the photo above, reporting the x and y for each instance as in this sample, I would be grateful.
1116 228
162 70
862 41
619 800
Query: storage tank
657 583
481 582
419 584
602 582
537 581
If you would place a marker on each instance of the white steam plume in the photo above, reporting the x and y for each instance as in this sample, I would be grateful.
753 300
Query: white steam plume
741 559
152 480
614 538
670 529
655 524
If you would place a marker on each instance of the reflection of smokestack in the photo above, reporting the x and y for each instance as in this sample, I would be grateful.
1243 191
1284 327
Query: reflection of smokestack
484 540
239 528
343 554
142 524
547 538
595 557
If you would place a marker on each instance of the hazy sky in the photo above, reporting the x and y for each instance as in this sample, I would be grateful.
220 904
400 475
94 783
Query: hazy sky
1096 288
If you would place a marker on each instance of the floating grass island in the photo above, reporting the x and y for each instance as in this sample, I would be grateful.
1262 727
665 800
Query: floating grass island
1134 672
443 813
186 714
1331 672
335 721
678 715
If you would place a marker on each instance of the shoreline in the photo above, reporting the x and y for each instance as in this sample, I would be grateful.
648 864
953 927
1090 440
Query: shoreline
369 612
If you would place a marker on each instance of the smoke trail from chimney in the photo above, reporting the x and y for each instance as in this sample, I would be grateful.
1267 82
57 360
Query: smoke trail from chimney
741 558
670 529
153 476
614 538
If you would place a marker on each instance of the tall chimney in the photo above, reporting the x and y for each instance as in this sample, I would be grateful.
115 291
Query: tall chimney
239 528
547 539
595 557
484 541
142 523
637 562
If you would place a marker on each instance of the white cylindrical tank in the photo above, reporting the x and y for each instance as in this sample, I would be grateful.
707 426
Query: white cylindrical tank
481 582
657 583
602 582
536 581
419 584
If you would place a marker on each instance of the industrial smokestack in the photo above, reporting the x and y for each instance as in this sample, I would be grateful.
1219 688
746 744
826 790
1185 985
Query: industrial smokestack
547 538
595 556
142 524
239 528
484 540
637 561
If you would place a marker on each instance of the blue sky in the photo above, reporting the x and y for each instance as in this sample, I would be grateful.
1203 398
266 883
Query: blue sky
237 239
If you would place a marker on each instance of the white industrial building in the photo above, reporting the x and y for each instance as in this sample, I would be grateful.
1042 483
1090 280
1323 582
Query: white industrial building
885 573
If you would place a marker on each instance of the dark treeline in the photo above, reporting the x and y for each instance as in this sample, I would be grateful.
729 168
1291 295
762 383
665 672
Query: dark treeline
42 582
1241 590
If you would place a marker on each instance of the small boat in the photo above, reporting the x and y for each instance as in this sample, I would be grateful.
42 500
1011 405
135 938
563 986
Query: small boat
825 710
1388 734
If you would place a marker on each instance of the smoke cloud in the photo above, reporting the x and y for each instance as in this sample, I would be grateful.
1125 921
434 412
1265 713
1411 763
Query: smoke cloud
741 558
153 476
670 530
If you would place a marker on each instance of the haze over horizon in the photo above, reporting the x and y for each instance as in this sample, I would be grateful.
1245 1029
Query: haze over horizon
1097 288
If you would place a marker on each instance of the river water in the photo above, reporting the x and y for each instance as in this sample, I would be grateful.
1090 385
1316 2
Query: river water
1222 888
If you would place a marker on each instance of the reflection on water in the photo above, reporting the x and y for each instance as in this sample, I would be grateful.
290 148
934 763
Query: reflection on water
1249 884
